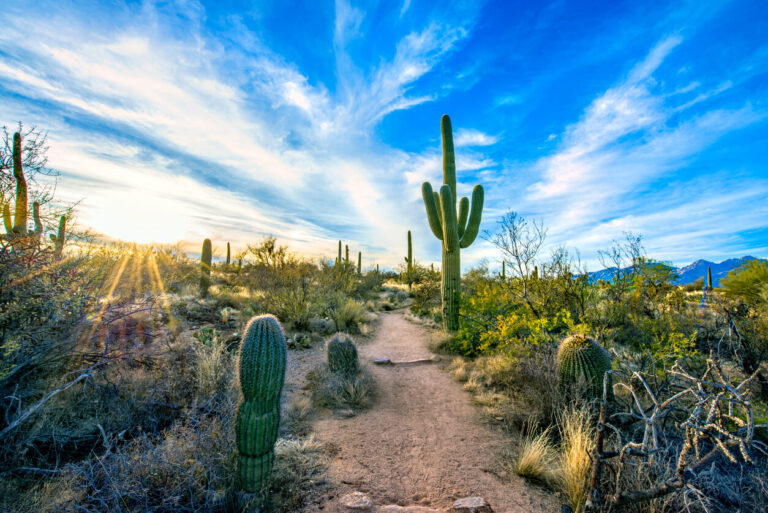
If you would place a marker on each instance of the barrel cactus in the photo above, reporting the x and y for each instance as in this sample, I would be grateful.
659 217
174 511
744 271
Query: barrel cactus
456 231
261 365
342 354
582 361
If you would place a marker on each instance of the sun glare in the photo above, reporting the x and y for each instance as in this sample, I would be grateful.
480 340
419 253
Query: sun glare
139 217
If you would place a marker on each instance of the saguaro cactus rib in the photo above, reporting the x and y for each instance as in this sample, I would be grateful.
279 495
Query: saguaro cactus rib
455 231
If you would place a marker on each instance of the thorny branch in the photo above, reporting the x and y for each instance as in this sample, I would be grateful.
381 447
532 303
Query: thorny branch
718 421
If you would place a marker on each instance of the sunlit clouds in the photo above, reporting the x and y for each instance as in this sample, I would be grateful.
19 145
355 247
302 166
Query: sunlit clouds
183 120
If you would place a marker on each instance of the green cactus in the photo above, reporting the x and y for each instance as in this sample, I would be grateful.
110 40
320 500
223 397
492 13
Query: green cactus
338 258
359 262
205 267
228 254
346 258
581 360
377 268
17 225
709 278
261 366
455 233
503 270
58 240
409 258
342 354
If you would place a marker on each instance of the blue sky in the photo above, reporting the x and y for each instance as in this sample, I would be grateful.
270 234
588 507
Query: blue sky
317 121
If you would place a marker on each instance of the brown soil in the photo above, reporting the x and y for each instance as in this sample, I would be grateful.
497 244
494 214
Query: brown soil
422 442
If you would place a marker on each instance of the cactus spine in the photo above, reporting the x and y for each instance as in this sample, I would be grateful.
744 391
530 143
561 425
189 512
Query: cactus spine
205 267
454 231
261 366
342 354
581 360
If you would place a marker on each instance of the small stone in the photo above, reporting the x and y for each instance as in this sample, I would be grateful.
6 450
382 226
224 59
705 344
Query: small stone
471 505
382 361
357 501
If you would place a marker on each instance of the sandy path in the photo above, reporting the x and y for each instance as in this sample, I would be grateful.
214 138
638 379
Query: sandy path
422 443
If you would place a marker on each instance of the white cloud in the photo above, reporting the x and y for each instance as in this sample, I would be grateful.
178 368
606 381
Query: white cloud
472 137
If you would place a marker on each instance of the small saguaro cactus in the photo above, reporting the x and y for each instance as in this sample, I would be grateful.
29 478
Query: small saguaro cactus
205 267
346 256
342 354
58 240
709 278
359 262
581 360
409 258
261 365
338 259
454 231
503 270
228 254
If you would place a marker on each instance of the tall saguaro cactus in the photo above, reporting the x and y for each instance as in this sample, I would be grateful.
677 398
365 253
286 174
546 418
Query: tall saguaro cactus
205 267
228 254
359 262
261 366
455 231
709 278
338 259
17 226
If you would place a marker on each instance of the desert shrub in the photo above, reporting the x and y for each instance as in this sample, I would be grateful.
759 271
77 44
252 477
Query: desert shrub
342 390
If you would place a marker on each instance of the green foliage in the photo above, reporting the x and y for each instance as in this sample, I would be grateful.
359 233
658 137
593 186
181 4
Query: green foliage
582 362
261 366
748 282
342 354
456 231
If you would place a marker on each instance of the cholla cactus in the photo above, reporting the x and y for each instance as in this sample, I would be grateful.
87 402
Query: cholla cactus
342 354
261 366
581 360
454 231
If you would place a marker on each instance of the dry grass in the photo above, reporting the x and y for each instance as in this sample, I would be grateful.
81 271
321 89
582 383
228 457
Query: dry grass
536 458
577 434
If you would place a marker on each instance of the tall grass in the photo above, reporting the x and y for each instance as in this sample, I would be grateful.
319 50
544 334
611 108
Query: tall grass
578 442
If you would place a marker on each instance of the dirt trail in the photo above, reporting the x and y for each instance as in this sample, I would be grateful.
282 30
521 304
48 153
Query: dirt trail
423 442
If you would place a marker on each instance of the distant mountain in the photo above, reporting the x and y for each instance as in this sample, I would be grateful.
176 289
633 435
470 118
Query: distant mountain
698 269
687 274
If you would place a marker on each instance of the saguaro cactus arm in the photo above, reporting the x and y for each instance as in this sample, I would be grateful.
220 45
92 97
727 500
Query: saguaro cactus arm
473 226
463 215
431 202
450 232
